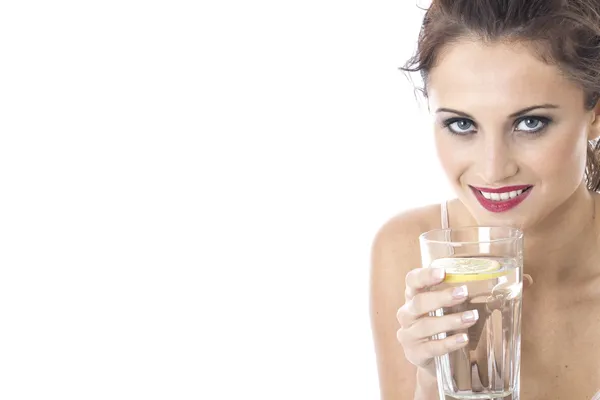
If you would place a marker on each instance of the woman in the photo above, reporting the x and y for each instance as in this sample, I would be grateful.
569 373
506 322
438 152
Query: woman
514 87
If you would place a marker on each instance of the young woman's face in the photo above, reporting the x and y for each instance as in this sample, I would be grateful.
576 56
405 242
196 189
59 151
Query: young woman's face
511 131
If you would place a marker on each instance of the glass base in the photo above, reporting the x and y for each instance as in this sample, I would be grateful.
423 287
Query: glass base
480 396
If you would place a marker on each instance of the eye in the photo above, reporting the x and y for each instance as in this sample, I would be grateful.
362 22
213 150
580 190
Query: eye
459 126
532 124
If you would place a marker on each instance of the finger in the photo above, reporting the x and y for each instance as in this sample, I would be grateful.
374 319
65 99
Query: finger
426 302
424 352
420 279
427 327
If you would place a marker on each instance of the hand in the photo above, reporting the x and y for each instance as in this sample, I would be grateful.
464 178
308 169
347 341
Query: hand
417 327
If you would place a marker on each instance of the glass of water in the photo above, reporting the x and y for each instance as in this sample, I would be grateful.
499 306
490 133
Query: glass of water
489 261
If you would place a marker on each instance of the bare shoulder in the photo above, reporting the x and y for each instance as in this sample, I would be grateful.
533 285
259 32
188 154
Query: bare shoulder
395 251
401 233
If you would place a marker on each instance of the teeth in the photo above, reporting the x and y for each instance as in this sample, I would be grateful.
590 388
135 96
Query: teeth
502 196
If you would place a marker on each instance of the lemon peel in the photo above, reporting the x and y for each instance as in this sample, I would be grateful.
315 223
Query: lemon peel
469 269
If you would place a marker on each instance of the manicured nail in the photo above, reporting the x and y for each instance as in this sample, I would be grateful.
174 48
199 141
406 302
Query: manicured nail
470 316
439 273
462 338
460 292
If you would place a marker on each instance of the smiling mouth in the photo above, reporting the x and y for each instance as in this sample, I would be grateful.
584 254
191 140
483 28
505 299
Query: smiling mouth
499 195
513 194
498 200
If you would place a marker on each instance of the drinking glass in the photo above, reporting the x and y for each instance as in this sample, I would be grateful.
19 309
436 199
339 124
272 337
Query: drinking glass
489 261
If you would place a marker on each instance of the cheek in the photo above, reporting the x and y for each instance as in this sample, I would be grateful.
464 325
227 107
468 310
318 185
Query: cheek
453 155
445 155
560 158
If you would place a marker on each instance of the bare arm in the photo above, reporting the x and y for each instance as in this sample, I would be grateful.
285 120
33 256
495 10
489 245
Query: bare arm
395 252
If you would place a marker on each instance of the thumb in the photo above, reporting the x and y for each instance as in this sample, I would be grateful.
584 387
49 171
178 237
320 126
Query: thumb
527 281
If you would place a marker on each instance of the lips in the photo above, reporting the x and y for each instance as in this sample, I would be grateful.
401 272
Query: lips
504 189
501 199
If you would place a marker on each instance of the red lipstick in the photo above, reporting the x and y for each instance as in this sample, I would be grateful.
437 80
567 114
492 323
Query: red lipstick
498 206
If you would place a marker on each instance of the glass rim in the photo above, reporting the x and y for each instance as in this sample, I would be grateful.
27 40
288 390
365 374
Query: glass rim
518 235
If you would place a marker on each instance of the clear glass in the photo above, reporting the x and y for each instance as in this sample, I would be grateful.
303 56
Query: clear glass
489 366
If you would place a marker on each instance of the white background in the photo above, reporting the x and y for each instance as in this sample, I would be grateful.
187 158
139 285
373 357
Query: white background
189 192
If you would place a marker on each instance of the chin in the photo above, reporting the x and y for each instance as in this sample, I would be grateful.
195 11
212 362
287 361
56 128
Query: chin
512 222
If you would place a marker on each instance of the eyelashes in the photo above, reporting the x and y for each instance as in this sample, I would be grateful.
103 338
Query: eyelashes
529 125
457 130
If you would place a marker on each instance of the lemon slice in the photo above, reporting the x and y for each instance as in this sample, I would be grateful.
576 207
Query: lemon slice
469 269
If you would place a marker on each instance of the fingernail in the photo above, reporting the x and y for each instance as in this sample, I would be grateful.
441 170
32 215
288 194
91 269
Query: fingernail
462 338
439 273
470 316
460 292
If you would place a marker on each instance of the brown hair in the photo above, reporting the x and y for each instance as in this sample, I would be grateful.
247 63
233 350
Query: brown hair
565 33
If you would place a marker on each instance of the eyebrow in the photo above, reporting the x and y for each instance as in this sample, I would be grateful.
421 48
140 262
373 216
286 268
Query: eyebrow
515 114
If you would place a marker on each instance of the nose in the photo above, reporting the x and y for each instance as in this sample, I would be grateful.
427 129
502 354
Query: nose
496 160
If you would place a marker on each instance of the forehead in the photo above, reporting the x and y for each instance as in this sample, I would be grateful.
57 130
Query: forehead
472 74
